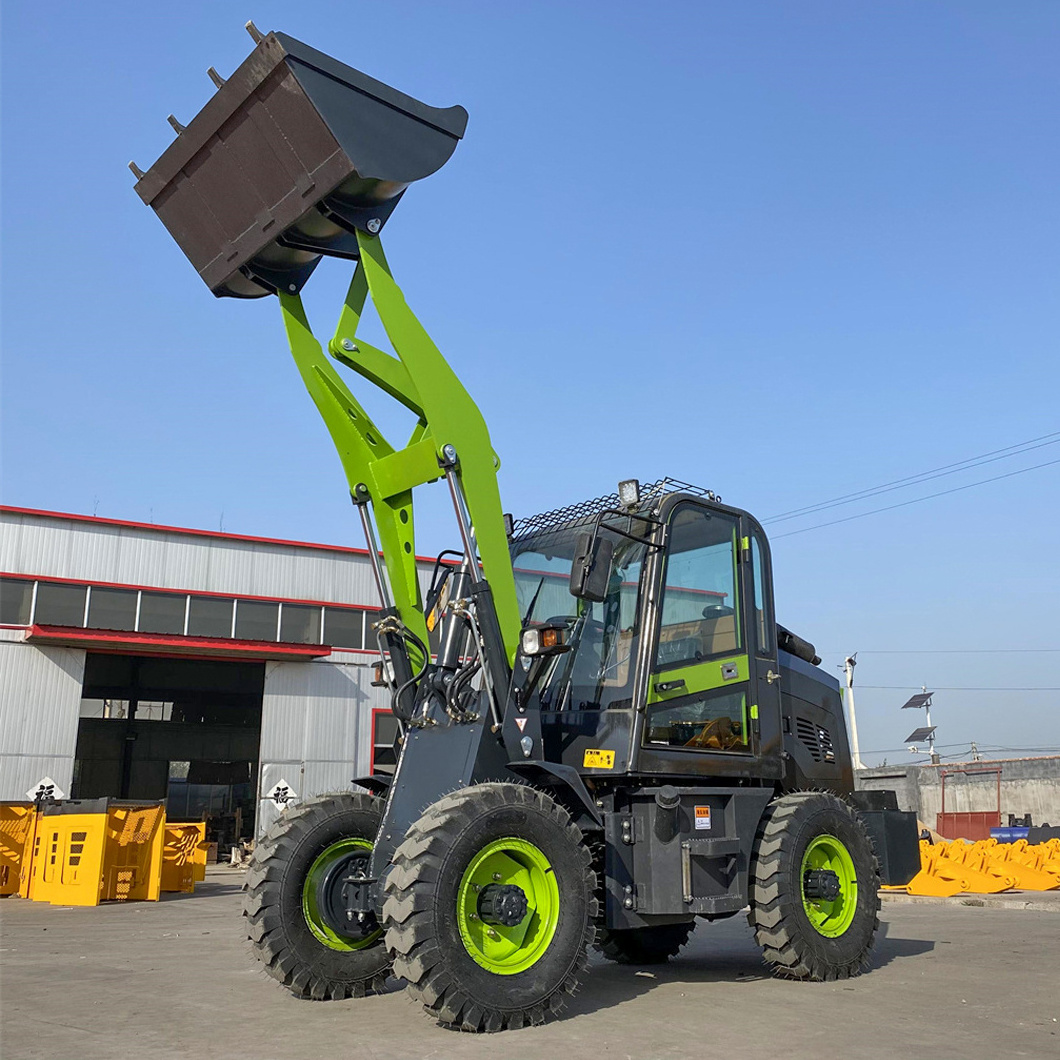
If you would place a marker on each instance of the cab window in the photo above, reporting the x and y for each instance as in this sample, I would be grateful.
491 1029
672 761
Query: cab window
763 626
699 612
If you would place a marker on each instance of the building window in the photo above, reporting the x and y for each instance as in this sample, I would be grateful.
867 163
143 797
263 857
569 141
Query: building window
162 612
344 627
104 708
112 609
256 620
16 597
210 616
384 742
300 624
59 605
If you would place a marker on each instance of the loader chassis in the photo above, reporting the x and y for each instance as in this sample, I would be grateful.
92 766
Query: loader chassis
604 732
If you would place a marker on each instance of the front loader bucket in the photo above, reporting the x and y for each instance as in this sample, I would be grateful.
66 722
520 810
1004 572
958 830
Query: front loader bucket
294 152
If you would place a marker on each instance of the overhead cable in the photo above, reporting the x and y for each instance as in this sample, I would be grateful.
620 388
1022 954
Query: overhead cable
923 476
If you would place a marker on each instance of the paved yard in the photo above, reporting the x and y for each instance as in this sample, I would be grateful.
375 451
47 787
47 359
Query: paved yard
171 979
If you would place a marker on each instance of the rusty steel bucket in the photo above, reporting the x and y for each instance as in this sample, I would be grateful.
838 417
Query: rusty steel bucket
293 154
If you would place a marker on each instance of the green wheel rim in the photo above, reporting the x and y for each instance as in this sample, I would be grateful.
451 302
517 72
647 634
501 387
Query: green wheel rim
310 910
830 918
509 950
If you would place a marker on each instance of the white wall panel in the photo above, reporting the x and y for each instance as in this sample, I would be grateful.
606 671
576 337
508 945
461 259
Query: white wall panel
40 698
316 728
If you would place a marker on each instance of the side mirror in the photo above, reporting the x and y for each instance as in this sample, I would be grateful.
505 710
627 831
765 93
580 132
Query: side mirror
591 570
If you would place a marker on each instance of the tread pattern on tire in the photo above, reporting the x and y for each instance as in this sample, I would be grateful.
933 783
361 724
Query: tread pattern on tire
775 905
270 935
647 945
409 909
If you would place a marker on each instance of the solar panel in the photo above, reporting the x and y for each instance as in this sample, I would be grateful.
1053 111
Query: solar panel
918 700
921 734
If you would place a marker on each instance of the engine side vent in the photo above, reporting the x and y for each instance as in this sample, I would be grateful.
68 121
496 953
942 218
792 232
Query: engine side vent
807 733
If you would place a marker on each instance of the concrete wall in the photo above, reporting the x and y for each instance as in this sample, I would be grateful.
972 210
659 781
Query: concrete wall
1028 785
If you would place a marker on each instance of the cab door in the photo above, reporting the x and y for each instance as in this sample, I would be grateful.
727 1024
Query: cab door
757 581
707 674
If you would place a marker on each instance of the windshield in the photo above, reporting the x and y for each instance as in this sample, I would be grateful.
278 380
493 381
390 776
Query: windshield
598 670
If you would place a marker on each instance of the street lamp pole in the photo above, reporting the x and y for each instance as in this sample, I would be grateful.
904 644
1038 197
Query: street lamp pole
848 670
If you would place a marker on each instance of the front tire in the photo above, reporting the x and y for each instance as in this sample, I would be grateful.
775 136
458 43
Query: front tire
814 888
286 928
489 908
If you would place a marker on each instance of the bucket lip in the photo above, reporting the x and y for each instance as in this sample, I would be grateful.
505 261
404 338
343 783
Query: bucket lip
450 120
273 49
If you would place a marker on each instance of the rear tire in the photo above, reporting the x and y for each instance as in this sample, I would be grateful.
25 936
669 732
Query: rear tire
284 928
471 971
646 945
804 935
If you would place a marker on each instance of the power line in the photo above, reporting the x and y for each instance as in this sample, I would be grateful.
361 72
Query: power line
967 688
943 651
966 743
917 500
923 476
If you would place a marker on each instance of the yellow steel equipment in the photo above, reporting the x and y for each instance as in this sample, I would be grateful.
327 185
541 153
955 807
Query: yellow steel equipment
984 867
93 851
16 840
181 853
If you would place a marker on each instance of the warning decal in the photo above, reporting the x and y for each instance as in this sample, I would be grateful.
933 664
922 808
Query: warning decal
703 817
594 759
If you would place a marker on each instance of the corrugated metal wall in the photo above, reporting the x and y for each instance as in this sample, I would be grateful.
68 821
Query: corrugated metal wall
316 729
168 559
316 724
40 698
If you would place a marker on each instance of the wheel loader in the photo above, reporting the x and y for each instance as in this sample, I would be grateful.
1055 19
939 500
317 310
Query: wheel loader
605 735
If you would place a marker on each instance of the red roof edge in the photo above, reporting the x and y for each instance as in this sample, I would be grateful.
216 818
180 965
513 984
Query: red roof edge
172 644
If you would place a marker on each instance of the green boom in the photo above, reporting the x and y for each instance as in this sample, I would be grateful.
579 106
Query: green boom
421 379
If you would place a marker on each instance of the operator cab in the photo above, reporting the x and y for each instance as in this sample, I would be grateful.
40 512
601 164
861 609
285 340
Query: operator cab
668 665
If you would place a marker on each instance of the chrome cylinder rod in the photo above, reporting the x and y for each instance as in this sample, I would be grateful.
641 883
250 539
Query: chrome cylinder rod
373 554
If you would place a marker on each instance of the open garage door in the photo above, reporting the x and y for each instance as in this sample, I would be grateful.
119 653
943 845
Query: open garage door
183 730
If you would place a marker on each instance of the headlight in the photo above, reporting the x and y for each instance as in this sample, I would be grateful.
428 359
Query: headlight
544 640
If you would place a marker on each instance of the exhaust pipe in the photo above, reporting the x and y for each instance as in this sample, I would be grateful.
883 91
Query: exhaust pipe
294 153
667 803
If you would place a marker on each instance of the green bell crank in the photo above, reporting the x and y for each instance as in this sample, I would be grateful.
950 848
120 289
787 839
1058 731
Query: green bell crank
421 379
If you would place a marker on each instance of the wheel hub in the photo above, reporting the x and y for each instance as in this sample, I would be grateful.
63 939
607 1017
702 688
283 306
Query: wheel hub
334 891
502 904
821 884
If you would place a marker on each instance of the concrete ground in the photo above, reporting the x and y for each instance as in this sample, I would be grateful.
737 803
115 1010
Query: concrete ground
172 979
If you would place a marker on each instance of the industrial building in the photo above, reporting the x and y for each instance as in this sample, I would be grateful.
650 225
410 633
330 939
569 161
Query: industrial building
224 673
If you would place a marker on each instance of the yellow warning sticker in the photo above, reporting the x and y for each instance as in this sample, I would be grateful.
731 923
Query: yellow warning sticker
703 817
594 759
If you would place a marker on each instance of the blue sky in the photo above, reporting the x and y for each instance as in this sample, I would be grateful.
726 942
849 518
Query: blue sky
784 251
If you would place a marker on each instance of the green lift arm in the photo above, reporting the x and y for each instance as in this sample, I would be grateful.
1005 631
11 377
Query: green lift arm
296 157
421 379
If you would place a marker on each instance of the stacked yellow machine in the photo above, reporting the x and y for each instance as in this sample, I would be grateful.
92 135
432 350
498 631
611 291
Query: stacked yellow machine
984 867
87 852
